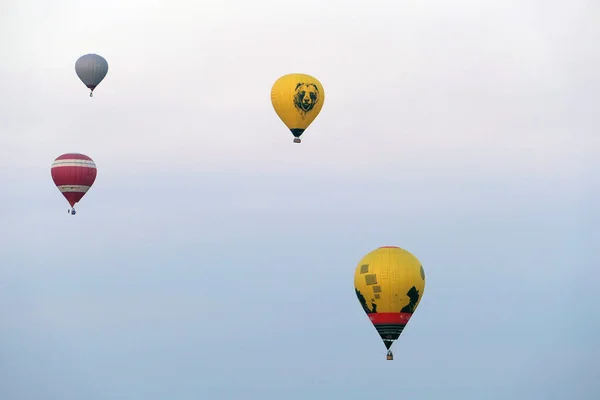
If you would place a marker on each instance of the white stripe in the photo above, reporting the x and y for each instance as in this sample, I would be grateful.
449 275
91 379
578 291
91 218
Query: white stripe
73 189
73 163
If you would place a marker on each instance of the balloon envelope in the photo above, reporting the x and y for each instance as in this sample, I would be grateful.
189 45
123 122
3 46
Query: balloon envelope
91 69
73 174
297 100
389 284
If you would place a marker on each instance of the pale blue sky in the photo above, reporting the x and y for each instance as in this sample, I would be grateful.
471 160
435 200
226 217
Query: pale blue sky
213 258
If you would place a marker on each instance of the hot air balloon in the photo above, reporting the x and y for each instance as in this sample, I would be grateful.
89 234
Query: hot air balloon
91 69
297 100
389 283
73 174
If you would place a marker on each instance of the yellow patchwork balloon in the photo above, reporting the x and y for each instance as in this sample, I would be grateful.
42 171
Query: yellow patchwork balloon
389 283
297 100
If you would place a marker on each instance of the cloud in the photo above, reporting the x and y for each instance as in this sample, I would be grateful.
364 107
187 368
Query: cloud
213 253
498 102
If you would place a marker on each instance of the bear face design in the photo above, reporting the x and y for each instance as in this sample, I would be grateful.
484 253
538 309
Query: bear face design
306 96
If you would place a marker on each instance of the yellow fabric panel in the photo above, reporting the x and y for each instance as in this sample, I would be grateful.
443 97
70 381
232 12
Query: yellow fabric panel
297 99
386 275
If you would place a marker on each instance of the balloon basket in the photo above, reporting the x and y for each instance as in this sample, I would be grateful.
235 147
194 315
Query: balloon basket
297 140
389 356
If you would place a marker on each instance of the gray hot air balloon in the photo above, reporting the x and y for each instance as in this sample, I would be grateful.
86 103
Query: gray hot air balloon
91 69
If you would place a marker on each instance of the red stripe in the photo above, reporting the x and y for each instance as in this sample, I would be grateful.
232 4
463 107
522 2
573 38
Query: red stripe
73 156
390 318
84 176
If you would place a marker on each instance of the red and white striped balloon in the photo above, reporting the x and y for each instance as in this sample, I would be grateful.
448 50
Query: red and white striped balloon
73 174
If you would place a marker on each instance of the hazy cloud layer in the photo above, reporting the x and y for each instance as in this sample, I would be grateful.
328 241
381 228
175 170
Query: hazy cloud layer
214 258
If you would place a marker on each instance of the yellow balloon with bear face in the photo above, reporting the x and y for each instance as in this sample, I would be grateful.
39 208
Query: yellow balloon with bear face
297 100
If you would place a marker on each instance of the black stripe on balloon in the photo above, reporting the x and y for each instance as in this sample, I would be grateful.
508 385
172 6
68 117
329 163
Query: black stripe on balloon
389 332
297 132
